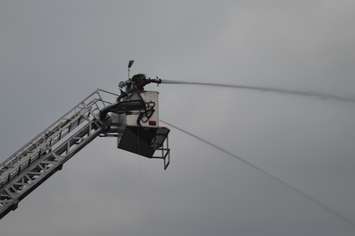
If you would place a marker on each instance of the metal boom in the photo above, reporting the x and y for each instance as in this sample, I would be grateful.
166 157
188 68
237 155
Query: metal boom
131 117
44 155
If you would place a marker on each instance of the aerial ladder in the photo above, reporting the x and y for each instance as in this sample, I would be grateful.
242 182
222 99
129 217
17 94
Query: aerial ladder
132 117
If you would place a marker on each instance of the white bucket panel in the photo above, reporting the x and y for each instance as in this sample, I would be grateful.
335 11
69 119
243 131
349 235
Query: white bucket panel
153 122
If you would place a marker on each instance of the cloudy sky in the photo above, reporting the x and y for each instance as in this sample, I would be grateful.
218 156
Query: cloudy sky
53 53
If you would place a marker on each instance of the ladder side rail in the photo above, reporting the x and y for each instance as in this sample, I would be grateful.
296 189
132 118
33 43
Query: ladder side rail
29 175
39 139
33 155
30 178
89 109
41 135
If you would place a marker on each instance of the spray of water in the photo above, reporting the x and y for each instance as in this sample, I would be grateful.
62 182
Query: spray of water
304 93
284 183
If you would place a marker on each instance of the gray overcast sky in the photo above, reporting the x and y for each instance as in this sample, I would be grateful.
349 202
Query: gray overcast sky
53 53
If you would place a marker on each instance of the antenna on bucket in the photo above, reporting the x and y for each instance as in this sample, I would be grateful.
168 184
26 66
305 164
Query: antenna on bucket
130 64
